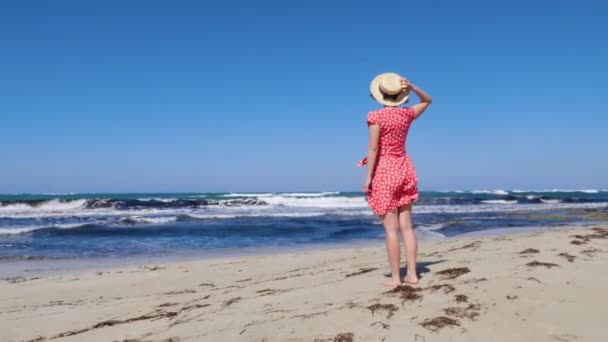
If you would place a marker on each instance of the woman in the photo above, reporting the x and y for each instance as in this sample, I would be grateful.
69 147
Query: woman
391 183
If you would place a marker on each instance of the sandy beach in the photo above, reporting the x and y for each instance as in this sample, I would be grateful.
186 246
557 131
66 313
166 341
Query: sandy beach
547 286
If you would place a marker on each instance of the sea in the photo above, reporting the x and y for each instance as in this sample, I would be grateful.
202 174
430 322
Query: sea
97 225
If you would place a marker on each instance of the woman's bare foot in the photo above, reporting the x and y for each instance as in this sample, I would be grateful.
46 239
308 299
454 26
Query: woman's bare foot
412 281
392 283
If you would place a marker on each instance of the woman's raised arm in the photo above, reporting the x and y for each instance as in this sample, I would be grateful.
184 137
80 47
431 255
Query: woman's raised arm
425 99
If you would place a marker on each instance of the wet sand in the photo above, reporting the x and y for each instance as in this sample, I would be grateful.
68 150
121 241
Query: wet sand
541 286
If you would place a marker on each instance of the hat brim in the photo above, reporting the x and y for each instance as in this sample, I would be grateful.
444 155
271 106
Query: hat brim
374 90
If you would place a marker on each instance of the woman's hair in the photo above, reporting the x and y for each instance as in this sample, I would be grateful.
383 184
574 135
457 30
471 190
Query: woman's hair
389 97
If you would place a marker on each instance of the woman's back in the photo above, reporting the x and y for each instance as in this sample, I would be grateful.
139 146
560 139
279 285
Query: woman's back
394 125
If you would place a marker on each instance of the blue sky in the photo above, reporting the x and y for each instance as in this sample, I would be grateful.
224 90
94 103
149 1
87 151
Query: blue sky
261 95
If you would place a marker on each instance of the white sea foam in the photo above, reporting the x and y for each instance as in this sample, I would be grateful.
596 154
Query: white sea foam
154 220
550 201
31 212
491 192
27 229
57 193
318 202
19 230
590 191
247 194
429 232
467 208
499 201
57 205
244 214
587 191
285 194
309 194
158 199
48 206
432 226
15 207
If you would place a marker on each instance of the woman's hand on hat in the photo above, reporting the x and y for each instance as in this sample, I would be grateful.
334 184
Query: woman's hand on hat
405 84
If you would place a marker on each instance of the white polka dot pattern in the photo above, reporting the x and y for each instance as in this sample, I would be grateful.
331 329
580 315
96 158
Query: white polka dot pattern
394 181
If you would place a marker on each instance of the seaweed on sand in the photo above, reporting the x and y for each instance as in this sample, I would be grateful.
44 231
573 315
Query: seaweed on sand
344 337
361 271
406 293
460 298
568 257
469 312
529 251
540 263
390 308
447 288
452 273
437 323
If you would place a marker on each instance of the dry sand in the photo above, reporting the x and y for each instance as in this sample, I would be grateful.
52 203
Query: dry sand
548 286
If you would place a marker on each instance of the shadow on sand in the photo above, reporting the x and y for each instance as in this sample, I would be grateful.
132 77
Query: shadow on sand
421 269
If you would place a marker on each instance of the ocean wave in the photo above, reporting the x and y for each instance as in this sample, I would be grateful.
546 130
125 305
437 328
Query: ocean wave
67 206
586 191
465 208
499 201
19 230
197 217
490 192
48 205
283 194
318 202
57 193
430 232
432 227
32 228
158 199
309 194
153 220
347 232
248 194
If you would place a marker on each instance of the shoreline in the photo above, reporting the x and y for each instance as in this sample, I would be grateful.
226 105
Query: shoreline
18 267
13 268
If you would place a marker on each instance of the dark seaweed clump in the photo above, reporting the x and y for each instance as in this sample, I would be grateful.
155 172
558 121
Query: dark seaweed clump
406 293
437 323
540 263
390 308
452 273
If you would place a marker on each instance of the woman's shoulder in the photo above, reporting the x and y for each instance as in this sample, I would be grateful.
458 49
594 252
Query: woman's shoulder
405 111
389 110
374 116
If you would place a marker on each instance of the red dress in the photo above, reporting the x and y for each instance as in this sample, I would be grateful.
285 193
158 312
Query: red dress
394 181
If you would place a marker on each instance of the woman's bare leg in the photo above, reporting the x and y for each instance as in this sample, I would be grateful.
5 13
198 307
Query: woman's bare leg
391 228
409 240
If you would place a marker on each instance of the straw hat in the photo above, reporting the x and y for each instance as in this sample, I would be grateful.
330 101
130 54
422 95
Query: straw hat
386 89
